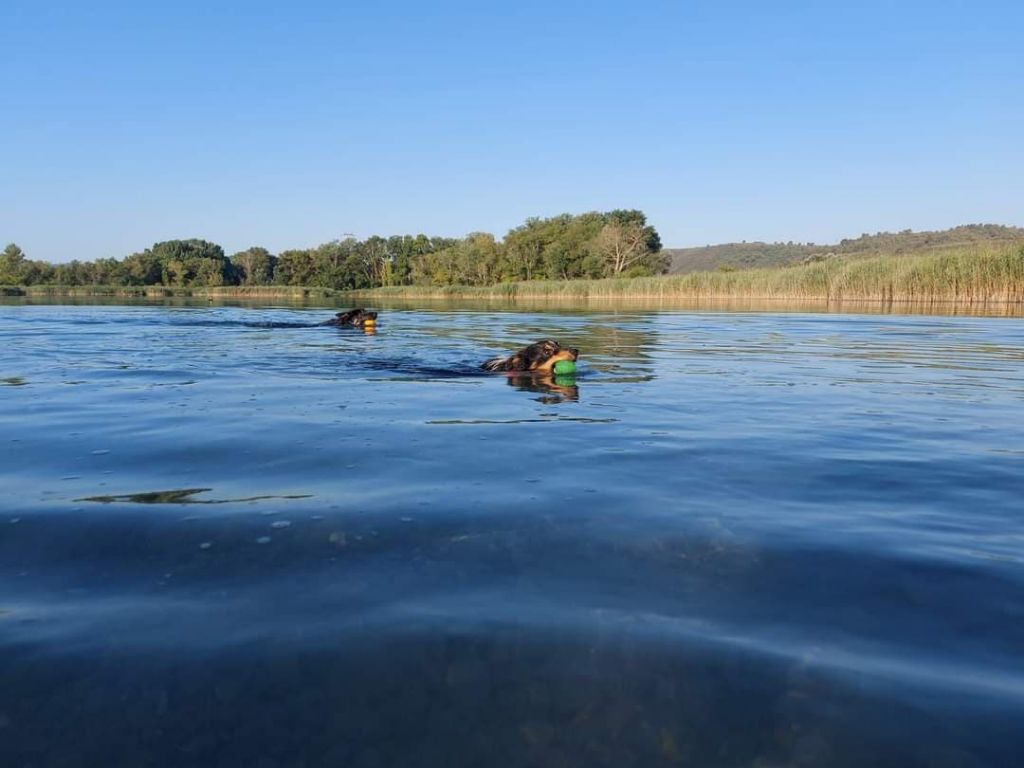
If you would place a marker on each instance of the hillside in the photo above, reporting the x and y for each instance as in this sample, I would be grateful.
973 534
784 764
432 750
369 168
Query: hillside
757 254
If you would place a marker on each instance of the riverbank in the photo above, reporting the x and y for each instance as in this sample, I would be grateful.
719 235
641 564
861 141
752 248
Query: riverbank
976 275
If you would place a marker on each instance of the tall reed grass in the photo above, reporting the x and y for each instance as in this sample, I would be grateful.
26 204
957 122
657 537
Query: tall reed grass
977 274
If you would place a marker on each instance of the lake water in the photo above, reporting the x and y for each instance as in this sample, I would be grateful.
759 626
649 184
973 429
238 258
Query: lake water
228 538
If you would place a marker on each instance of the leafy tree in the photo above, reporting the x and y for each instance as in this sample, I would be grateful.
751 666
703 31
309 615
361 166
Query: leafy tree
567 247
69 274
377 261
628 246
143 269
407 249
436 268
35 272
12 262
106 272
524 248
561 247
254 266
421 258
621 246
479 258
193 262
295 267
341 265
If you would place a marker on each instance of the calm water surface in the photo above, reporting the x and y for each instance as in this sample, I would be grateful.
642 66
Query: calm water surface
229 538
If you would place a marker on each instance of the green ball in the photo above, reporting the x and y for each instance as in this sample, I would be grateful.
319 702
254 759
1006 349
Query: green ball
563 367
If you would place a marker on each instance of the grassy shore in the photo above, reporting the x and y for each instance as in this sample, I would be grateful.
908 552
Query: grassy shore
972 275
985 274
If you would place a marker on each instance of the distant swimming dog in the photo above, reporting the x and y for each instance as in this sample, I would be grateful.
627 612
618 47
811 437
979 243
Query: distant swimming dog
359 318
539 357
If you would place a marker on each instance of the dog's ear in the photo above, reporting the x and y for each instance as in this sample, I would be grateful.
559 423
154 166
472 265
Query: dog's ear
537 353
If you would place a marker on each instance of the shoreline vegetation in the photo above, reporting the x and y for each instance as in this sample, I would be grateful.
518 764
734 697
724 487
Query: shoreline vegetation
596 256
986 275
982 274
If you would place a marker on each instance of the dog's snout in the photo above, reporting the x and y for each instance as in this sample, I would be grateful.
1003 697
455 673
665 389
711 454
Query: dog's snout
575 353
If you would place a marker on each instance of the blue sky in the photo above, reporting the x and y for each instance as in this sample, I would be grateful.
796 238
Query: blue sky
291 124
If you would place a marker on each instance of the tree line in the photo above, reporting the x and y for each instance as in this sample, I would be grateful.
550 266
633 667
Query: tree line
566 247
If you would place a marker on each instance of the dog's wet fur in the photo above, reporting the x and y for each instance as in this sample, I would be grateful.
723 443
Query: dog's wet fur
539 357
354 317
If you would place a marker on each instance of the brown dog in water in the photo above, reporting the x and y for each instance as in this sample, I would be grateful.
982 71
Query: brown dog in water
539 357
359 318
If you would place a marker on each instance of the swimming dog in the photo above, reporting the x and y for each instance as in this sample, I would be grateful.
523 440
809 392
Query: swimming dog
539 357
356 317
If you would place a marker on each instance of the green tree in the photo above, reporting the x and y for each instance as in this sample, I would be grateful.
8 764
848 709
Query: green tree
377 261
193 262
254 266
567 247
106 272
340 264
143 268
405 250
70 273
480 258
525 246
12 262
295 267
627 245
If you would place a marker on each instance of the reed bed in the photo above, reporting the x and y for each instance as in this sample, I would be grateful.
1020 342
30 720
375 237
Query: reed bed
984 274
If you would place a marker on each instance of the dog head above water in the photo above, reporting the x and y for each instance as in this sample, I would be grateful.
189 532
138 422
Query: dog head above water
356 317
540 357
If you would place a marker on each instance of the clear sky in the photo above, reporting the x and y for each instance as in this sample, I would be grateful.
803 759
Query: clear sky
288 124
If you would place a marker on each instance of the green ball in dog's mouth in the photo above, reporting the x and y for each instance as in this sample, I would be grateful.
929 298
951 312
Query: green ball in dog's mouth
563 367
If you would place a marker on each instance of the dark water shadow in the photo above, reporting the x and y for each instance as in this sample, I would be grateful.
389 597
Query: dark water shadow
464 699
407 366
468 641
182 496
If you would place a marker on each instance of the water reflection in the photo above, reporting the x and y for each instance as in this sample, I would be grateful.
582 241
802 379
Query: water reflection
592 305
597 305
555 389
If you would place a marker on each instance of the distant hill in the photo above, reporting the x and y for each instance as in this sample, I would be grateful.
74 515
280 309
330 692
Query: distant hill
757 254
